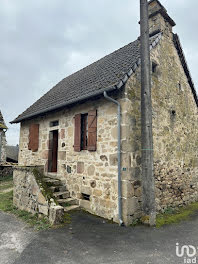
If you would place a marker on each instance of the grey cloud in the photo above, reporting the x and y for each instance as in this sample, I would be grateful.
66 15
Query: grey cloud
42 42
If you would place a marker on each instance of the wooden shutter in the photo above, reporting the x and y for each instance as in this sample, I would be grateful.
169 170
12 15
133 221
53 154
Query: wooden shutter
92 130
33 137
77 133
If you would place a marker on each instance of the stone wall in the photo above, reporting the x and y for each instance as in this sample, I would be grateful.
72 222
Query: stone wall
91 173
131 151
175 133
29 194
175 130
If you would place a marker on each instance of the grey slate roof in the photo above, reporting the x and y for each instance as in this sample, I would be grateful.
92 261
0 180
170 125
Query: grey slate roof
2 123
106 74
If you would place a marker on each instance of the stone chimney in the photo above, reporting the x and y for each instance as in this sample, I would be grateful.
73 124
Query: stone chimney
159 20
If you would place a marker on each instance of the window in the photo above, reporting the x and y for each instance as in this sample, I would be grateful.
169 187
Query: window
33 137
173 112
84 131
54 123
85 196
180 87
85 136
154 67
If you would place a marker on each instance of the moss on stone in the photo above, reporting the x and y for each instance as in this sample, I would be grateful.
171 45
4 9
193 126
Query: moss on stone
44 187
2 126
174 216
131 94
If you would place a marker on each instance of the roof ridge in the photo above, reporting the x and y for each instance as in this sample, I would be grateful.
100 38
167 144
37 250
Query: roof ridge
91 64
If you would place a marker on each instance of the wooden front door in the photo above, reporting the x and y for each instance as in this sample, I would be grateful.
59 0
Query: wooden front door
53 151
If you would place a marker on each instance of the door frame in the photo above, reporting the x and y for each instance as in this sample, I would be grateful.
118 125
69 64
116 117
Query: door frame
53 151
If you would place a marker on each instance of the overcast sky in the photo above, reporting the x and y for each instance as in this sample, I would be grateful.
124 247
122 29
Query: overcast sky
43 41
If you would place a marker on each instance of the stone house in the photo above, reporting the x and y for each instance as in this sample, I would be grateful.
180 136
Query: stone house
72 131
3 129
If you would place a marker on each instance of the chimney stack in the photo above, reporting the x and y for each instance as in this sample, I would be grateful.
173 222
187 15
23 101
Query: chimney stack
159 20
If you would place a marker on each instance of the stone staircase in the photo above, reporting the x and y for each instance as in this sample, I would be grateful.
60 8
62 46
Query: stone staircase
60 192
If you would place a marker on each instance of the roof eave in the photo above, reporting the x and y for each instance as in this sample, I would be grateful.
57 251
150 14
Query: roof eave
179 49
53 108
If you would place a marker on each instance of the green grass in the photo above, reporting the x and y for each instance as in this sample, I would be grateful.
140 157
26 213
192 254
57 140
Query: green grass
6 178
6 183
44 186
174 216
6 205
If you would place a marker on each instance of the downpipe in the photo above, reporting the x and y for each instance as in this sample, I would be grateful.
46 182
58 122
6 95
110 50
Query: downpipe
121 223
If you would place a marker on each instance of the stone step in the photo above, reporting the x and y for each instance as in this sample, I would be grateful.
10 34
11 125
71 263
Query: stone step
63 181
52 182
70 201
52 175
58 188
47 179
55 176
72 207
63 195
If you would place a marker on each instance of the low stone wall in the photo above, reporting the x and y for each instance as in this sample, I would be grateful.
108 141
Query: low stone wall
175 186
6 171
28 194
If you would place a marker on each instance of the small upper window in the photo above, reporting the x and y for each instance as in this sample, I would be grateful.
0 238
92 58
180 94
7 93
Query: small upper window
180 86
54 123
154 67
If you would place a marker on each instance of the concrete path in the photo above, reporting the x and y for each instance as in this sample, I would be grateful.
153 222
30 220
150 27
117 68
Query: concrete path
14 237
91 240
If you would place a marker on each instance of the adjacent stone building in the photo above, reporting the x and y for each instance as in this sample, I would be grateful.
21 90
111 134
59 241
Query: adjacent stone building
3 129
72 130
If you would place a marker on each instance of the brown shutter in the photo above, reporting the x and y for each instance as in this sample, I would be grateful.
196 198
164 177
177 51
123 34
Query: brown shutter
33 137
92 130
77 133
